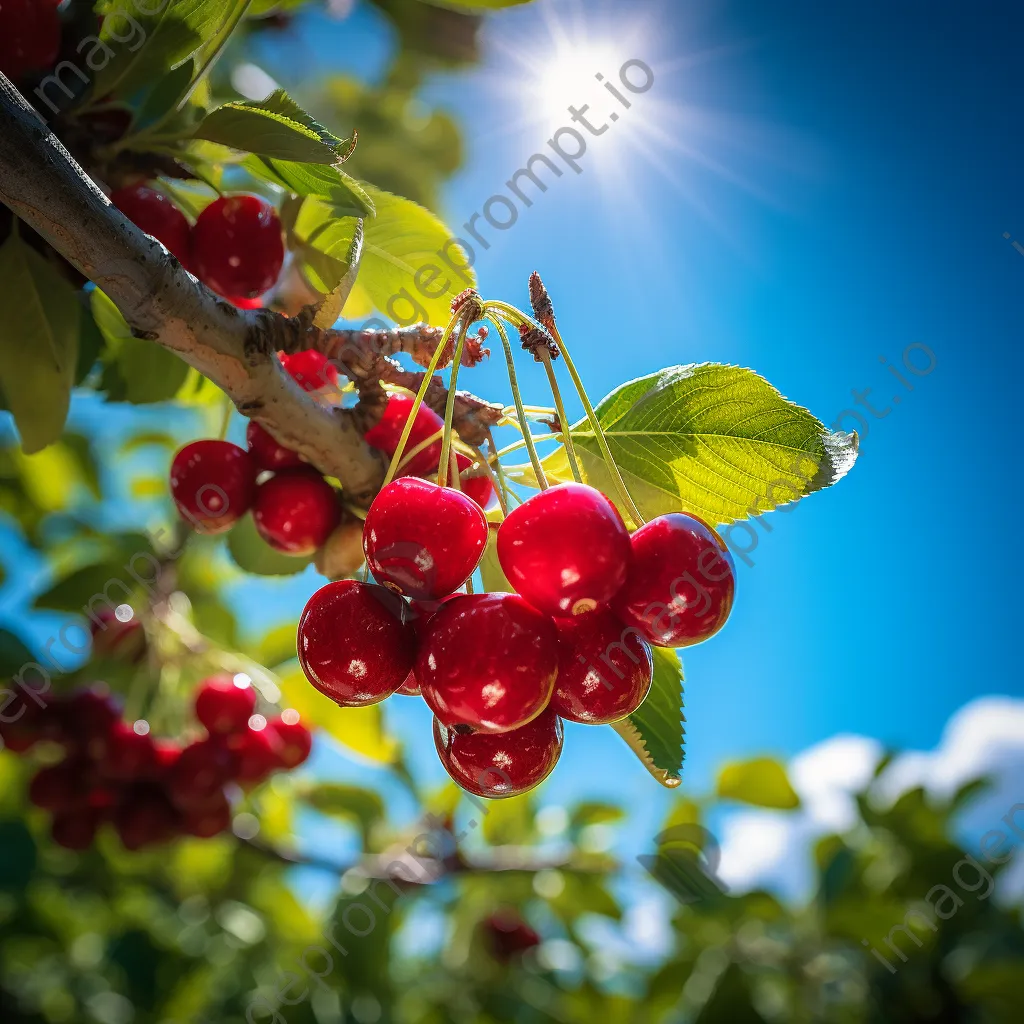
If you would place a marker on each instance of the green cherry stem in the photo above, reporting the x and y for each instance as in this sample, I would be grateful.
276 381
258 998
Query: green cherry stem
538 469
448 463
570 449
396 459
595 423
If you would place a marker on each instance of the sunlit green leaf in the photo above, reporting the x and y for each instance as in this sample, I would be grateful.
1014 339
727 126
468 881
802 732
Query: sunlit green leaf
655 731
761 781
253 554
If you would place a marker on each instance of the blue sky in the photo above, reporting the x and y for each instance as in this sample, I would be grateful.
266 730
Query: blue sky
807 189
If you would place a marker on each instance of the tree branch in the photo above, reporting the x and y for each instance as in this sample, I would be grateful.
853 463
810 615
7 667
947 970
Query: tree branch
162 302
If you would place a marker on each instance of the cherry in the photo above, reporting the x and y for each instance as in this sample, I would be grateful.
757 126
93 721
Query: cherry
209 819
505 765
604 669
388 432
157 215
145 817
257 755
243 303
128 754
479 488
310 369
269 453
356 643
29 37
488 661
200 771
566 550
87 716
224 706
75 830
509 935
115 637
294 740
295 511
59 787
681 585
213 483
238 246
423 540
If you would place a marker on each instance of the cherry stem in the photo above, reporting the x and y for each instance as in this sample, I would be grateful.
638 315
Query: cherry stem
421 447
563 420
595 423
226 418
448 463
516 445
538 469
497 482
396 459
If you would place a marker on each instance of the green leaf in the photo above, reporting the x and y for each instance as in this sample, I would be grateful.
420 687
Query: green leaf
477 5
38 342
718 441
404 274
491 573
329 183
145 47
350 802
761 781
334 301
134 370
655 731
276 127
359 730
13 654
253 554
162 99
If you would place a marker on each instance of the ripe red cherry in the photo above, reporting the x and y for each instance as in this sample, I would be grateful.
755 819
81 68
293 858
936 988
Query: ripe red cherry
294 740
87 716
488 661
157 215
268 453
310 369
128 754
604 669
388 432
295 511
208 819
681 584
213 483
60 787
243 303
29 37
238 246
479 488
224 706
145 817
200 771
566 550
422 540
256 754
509 935
355 642
75 830
509 764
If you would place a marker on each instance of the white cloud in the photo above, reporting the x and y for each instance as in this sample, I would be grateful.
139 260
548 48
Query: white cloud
772 849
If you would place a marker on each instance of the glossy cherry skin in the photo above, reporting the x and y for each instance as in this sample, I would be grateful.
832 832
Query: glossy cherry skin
497 766
605 669
294 742
566 550
200 771
356 642
388 432
422 540
224 708
311 370
681 584
157 215
488 661
267 452
238 246
213 483
29 37
295 511
479 488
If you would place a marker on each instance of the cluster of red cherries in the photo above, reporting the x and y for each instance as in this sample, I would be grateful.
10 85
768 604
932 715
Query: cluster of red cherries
236 245
152 790
29 36
501 670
